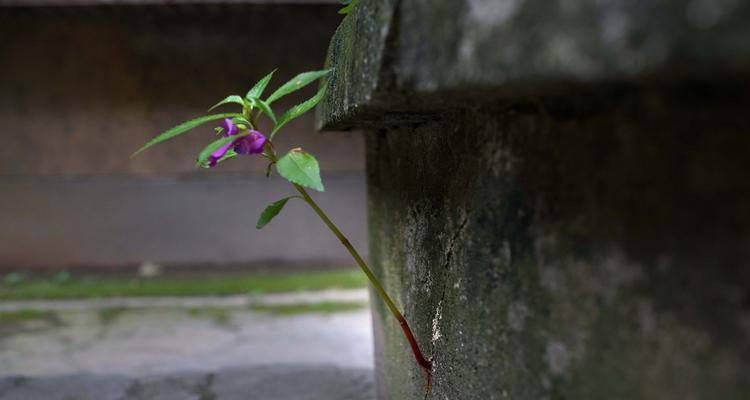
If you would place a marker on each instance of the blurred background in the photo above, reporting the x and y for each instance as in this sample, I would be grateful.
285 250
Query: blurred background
149 266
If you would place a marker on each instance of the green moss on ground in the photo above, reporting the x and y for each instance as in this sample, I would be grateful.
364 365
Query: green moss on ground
96 287
221 316
14 317
108 315
325 307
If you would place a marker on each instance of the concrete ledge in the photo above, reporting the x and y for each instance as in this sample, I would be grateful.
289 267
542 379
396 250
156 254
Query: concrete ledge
448 52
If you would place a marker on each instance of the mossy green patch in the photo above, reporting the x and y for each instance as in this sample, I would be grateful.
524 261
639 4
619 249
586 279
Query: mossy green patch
227 284
324 307
220 316
108 315
15 317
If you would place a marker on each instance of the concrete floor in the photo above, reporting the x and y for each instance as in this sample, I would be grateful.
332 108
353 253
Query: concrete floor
286 382
215 352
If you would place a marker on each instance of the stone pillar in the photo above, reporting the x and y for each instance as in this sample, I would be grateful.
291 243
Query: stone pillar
559 193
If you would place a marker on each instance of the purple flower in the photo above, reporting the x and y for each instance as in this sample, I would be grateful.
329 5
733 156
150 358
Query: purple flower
228 127
251 144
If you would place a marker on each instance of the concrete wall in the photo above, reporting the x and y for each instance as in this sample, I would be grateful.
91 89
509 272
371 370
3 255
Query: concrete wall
555 222
83 87
564 254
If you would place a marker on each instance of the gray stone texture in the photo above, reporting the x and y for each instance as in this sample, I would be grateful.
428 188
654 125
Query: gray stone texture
163 336
454 52
561 207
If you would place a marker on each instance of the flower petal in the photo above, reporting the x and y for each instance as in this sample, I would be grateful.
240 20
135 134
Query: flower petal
230 129
220 152
251 144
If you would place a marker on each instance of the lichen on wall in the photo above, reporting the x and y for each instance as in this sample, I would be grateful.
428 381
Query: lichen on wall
549 252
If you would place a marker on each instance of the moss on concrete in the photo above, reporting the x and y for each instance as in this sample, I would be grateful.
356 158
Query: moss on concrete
567 250
324 307
16 317
355 56
220 316
109 315
97 287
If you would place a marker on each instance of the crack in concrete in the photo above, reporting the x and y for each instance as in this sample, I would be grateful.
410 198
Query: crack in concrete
446 281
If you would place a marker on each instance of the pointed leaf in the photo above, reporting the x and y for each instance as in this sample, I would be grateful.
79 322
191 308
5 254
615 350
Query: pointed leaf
296 83
350 6
298 110
271 212
241 121
266 110
259 87
182 128
229 99
215 145
300 167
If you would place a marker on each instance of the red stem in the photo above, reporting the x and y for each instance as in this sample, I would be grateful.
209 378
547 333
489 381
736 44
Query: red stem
426 365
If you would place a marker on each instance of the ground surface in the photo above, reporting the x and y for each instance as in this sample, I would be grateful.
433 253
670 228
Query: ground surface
267 383
304 345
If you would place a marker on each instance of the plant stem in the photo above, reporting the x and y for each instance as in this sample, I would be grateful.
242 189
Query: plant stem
426 365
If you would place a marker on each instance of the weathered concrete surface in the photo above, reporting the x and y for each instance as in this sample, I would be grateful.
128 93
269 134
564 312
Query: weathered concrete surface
267 383
451 52
558 199
543 254
189 348
193 336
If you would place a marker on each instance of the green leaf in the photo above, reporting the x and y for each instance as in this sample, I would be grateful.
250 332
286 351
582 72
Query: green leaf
298 110
266 110
230 154
271 212
241 120
349 7
300 167
182 128
259 87
215 145
296 83
230 99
